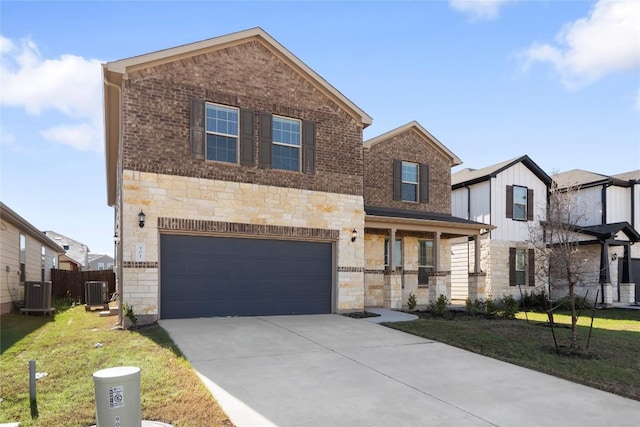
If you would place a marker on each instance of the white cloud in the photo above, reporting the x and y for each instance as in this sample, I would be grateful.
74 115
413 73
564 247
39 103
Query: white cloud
586 50
6 137
478 10
70 85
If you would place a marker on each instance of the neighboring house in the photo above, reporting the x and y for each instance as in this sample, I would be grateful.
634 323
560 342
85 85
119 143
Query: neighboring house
100 262
237 175
512 196
609 212
26 254
76 256
407 200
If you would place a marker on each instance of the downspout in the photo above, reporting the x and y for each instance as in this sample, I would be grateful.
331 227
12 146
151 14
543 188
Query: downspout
118 219
603 197
633 203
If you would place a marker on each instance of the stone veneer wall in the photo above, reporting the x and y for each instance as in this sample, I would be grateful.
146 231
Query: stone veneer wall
205 206
377 281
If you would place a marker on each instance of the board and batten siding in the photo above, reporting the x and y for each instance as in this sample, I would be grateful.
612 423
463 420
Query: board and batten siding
509 229
460 202
618 204
587 206
480 198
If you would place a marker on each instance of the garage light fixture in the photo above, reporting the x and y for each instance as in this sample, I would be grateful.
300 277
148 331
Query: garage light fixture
354 235
141 216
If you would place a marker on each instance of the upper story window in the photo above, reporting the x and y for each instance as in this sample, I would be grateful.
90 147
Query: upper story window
409 182
286 140
519 203
222 133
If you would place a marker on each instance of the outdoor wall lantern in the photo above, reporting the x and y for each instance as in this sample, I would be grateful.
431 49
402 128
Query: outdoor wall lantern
116 239
614 257
141 216
354 235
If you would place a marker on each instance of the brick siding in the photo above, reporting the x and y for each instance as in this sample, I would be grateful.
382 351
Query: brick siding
408 146
156 103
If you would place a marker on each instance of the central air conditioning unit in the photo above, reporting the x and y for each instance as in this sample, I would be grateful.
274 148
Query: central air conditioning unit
37 295
96 294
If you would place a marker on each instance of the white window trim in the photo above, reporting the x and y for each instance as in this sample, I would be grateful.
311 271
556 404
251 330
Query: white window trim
227 135
524 268
526 195
416 183
284 144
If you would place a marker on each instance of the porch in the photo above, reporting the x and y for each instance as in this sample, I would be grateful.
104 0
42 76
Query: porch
419 261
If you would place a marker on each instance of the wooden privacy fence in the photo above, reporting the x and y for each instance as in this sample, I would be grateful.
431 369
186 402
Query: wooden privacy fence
65 283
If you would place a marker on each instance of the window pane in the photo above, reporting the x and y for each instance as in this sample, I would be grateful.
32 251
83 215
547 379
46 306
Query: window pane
221 119
425 253
287 158
398 253
520 278
521 259
221 148
286 131
409 192
410 172
519 202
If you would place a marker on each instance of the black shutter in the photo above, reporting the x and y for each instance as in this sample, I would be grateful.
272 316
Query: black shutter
531 265
397 180
529 204
265 139
197 130
308 147
424 183
246 138
509 201
512 266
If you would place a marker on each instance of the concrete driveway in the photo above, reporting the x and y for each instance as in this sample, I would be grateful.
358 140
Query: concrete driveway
331 370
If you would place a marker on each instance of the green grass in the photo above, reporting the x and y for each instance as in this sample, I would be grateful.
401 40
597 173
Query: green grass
65 348
611 362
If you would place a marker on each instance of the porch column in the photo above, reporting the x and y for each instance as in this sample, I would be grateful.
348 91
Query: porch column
605 278
392 249
436 255
476 267
627 292
392 283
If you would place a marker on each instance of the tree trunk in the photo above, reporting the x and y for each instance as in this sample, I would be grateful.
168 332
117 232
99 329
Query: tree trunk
574 318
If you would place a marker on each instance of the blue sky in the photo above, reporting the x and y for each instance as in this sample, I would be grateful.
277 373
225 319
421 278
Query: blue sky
491 79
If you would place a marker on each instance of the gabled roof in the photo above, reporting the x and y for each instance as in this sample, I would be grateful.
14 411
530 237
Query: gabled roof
473 176
416 127
115 72
7 214
608 231
585 179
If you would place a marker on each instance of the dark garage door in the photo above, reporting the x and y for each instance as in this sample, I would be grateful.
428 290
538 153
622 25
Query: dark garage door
204 276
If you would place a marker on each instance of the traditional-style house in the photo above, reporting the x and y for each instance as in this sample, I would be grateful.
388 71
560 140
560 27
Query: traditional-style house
239 181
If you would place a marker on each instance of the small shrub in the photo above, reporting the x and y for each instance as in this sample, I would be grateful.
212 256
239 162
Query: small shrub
477 307
129 314
505 307
536 301
412 301
439 307
508 307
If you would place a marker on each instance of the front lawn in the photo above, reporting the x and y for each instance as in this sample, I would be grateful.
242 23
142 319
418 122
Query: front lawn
73 345
611 362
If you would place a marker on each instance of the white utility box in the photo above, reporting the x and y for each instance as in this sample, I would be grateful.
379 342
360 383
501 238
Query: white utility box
118 397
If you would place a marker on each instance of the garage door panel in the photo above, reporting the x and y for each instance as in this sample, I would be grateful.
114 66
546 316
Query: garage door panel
221 276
